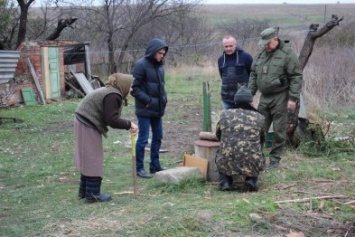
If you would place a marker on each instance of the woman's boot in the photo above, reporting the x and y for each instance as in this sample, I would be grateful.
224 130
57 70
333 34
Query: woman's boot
93 185
82 186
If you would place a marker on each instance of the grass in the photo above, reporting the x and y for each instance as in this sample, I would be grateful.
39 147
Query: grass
39 184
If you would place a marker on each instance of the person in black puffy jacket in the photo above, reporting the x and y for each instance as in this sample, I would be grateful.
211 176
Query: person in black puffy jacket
148 89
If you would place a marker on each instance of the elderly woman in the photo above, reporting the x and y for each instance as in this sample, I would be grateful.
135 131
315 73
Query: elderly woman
98 110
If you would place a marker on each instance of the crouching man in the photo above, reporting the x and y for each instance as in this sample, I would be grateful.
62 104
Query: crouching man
240 131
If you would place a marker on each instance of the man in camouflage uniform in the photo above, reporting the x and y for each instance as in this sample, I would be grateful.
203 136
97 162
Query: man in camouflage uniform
240 131
277 74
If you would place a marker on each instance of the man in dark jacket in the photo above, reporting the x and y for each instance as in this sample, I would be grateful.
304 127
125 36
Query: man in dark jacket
240 130
234 69
276 73
148 89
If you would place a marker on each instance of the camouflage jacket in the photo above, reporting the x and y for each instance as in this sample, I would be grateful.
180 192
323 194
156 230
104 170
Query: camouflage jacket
241 133
276 71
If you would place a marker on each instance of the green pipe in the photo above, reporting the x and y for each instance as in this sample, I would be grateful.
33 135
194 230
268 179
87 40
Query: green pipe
206 107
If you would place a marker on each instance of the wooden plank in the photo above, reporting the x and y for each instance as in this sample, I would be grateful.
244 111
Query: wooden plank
45 73
35 78
195 161
76 90
84 83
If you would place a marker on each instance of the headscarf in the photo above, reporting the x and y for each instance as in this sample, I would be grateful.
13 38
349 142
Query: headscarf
122 82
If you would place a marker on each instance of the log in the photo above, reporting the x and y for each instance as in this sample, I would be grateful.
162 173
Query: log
209 136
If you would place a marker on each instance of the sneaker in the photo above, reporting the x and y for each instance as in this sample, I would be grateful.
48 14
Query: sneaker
273 164
143 174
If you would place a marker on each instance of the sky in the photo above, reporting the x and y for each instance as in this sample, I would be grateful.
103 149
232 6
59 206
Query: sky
277 1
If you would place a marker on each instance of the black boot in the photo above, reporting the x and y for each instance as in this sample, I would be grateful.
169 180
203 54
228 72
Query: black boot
251 184
82 186
226 182
93 194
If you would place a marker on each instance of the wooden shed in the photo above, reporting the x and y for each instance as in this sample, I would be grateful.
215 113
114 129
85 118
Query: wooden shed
42 66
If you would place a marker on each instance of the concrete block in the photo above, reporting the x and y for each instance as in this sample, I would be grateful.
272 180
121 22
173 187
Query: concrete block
175 175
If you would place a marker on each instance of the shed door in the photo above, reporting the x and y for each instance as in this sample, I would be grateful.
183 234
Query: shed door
54 76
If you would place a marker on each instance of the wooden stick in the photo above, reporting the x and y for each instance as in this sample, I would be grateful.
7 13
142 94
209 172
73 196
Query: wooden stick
308 199
35 79
75 89
350 202
134 165
331 181
124 193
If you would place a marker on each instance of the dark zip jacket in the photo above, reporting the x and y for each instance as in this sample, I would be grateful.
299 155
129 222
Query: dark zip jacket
148 86
234 70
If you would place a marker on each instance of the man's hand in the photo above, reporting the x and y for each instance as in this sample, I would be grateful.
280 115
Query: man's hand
291 105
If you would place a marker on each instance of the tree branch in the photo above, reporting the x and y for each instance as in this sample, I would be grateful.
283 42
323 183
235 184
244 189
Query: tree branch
62 24
312 35
311 198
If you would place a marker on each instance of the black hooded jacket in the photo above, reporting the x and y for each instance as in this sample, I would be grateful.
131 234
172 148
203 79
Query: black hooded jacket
148 86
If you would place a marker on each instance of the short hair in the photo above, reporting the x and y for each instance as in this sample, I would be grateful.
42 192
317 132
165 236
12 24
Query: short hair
227 37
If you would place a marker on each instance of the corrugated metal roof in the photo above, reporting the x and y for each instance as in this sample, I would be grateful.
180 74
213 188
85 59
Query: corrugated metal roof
8 64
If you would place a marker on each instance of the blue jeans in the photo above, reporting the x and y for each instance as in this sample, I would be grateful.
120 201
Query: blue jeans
144 124
227 105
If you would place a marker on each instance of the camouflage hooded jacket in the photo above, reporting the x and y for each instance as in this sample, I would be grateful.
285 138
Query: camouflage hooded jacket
241 133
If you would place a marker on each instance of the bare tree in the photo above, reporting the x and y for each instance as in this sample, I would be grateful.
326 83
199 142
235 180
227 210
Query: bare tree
120 22
189 33
24 6
304 56
244 29
4 18
17 25
7 25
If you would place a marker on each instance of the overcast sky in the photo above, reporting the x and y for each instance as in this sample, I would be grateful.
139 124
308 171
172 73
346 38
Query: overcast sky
276 1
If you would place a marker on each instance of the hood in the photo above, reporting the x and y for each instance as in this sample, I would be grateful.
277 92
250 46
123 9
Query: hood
154 46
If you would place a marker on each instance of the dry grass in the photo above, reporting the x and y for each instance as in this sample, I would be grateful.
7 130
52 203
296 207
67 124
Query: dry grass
284 14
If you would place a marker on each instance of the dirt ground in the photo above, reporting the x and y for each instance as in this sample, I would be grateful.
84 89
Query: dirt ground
179 135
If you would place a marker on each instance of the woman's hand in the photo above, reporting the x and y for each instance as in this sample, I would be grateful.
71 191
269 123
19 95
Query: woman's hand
134 128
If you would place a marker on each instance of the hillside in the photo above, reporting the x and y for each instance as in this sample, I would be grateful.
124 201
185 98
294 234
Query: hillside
283 14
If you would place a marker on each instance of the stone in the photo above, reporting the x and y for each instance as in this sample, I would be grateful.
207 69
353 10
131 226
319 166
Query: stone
175 175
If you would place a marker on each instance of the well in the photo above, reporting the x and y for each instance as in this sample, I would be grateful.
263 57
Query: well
207 150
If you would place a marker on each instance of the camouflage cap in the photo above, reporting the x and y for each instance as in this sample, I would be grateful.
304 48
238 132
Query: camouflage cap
243 95
267 35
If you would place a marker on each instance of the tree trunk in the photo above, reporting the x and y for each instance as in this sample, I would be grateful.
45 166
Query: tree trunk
111 54
311 37
305 54
62 24
21 36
